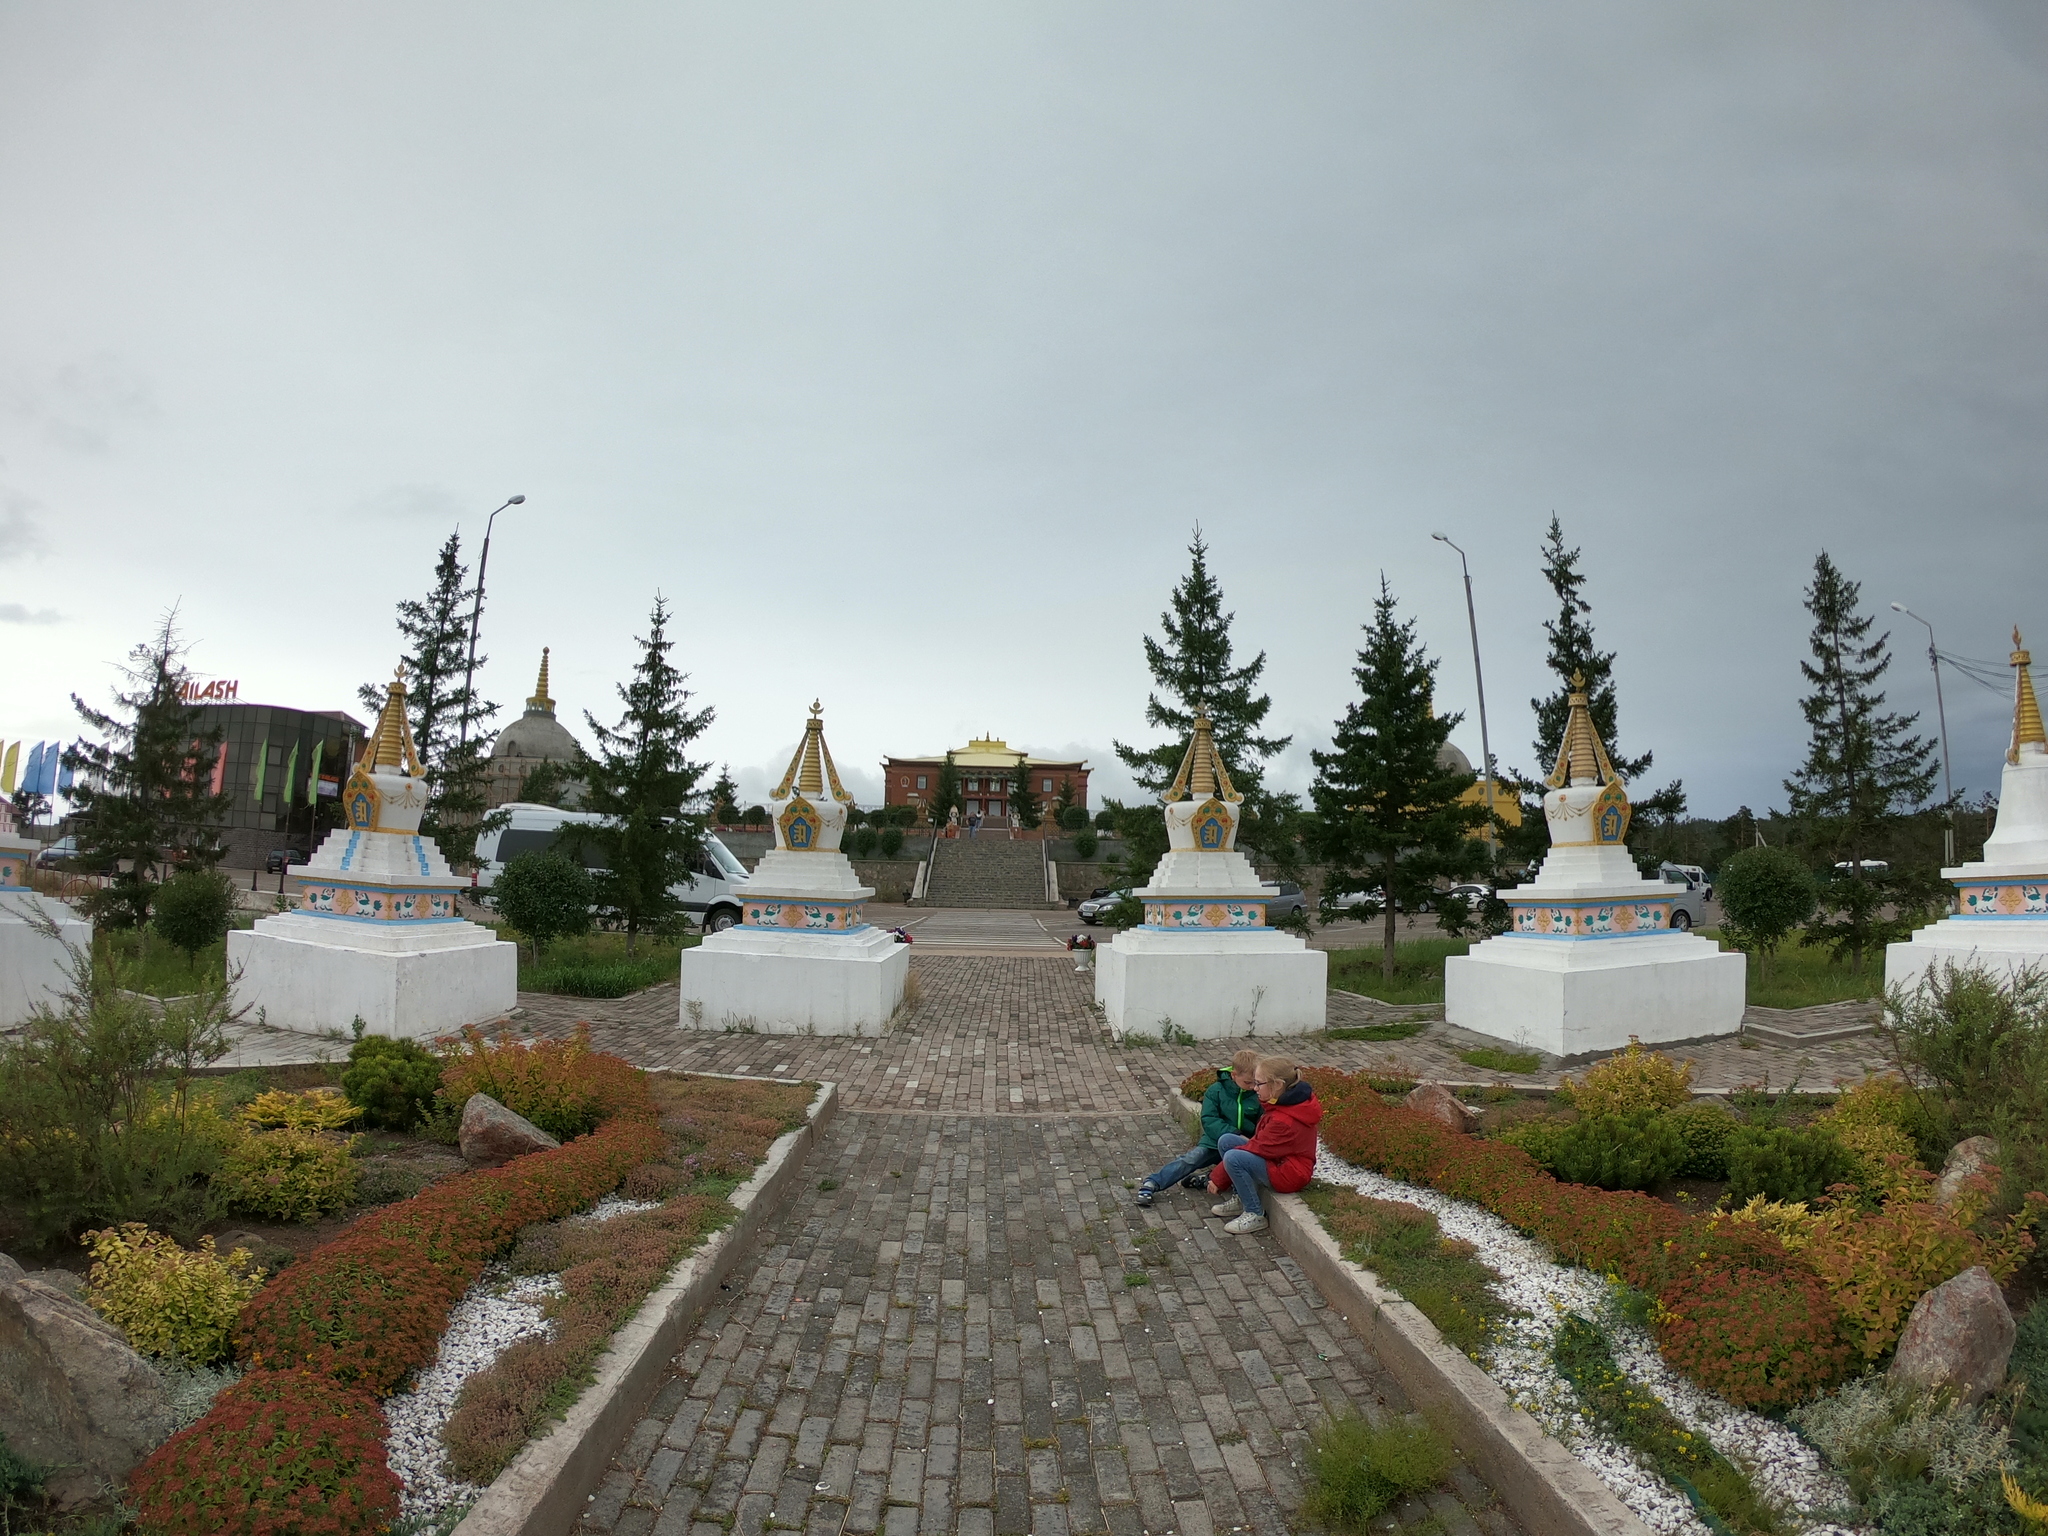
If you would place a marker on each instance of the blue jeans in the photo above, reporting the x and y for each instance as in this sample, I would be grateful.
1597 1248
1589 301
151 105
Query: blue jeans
1247 1172
1188 1162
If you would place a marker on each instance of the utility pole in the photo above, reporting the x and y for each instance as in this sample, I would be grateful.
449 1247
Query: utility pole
1948 788
476 612
1479 679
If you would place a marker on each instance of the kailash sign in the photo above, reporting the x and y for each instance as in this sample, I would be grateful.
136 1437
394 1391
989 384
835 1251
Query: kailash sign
215 690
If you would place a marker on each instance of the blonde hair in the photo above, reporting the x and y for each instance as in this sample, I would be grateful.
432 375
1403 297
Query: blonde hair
1280 1069
1246 1062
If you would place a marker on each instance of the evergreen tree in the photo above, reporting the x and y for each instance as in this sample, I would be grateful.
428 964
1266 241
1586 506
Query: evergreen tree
144 793
1023 803
1864 769
1388 818
1572 650
1193 671
946 793
440 700
645 787
725 798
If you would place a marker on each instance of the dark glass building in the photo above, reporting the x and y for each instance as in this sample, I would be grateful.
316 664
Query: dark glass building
285 768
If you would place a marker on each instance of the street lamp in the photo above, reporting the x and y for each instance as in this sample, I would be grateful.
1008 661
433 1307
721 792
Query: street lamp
1948 836
1485 749
476 612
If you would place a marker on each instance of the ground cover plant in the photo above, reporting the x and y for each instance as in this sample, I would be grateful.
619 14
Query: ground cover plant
1418 975
1403 1246
1357 1468
1398 1029
597 964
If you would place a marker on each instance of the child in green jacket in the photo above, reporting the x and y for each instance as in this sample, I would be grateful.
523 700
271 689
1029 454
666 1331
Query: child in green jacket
1231 1106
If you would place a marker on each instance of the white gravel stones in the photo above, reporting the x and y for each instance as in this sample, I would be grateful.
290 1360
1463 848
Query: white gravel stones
491 1317
1783 1466
613 1206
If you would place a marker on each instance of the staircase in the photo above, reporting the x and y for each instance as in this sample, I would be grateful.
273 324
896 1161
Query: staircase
986 872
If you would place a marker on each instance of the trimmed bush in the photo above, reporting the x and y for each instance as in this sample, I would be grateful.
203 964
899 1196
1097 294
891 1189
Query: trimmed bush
1637 1151
863 840
1635 1081
892 841
546 896
1085 843
280 1453
1705 1128
392 1081
562 1086
289 1175
1783 1164
172 1303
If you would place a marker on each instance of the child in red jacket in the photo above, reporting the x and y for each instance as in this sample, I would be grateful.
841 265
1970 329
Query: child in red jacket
1280 1156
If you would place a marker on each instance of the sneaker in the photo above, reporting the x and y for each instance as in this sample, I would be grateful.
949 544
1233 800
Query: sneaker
1230 1206
1246 1223
1144 1195
1199 1179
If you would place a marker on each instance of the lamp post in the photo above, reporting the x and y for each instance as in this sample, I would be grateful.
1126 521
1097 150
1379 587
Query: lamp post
1479 678
1948 836
476 612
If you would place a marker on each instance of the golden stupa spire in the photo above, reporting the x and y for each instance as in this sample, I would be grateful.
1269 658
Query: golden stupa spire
811 770
391 743
540 701
2026 709
1581 759
1202 772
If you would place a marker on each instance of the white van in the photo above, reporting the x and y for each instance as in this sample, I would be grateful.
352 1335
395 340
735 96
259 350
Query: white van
710 892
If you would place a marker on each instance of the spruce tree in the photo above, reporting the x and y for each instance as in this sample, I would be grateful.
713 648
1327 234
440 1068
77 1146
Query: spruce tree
1193 670
435 634
946 793
1864 769
725 798
1389 817
1023 803
144 793
1573 650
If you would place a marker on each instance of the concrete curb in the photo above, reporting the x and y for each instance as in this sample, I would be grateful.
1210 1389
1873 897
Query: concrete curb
544 1491
1544 1486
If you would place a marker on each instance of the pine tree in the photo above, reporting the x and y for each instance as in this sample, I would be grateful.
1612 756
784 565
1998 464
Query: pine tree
1572 650
1193 670
645 787
144 793
1023 803
946 793
1863 768
725 798
435 632
1390 819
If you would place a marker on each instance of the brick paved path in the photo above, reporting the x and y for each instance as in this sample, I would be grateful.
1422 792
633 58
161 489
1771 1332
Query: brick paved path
944 1341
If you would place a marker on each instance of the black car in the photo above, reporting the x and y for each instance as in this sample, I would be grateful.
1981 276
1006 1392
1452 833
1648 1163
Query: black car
283 858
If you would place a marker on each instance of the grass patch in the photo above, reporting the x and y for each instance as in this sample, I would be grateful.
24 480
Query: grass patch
1356 1468
1804 978
1493 1059
597 964
150 963
1403 1246
1418 970
1137 1277
1400 1029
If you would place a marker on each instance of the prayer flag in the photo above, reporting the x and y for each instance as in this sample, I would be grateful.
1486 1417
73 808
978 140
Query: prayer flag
291 773
32 770
12 762
64 779
220 767
313 774
52 756
262 762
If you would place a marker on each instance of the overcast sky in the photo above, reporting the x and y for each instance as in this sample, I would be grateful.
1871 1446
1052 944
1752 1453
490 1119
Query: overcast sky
902 346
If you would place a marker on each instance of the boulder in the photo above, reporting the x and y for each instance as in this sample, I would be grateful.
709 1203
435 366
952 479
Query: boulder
62 1280
1960 1335
1440 1104
1966 1160
73 1394
492 1134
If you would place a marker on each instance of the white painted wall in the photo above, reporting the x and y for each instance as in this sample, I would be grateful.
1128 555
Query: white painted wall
1571 996
776 983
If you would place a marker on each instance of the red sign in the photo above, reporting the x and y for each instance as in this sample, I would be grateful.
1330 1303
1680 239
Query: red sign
218 690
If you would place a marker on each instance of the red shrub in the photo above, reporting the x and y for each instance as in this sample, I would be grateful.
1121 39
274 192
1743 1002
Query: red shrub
1760 1339
280 1453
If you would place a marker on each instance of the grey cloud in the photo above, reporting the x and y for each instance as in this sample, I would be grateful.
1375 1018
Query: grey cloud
16 613
19 533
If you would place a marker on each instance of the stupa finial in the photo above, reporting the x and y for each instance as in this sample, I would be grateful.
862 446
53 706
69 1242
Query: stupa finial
540 703
811 771
2027 730
391 743
1581 758
1202 770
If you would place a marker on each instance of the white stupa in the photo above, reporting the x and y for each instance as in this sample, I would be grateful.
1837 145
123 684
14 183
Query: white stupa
1204 962
1591 958
803 959
376 935
32 963
2001 917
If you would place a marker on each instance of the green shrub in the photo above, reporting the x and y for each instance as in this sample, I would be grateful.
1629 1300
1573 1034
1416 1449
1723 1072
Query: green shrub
1537 1137
546 896
21 1481
1085 843
192 909
1765 894
863 840
171 1303
1704 1127
1638 1151
1632 1081
289 1175
1491 1058
1924 1465
892 841
1784 1164
392 1081
1356 1468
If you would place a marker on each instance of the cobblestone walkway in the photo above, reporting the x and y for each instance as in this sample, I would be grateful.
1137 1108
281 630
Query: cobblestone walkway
963 1324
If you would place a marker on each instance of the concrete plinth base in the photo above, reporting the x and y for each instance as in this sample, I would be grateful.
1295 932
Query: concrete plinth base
781 983
32 964
411 980
1572 996
1218 985
2000 945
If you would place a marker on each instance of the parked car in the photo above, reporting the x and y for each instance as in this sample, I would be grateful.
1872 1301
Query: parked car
1095 908
711 892
1473 891
282 859
1690 874
1688 906
64 854
1348 903
1285 899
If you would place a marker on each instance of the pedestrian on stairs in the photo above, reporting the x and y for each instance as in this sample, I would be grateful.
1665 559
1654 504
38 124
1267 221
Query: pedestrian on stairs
1230 1105
1280 1155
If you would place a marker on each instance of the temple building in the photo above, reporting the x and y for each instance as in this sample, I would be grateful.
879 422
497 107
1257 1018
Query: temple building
1507 805
535 740
986 767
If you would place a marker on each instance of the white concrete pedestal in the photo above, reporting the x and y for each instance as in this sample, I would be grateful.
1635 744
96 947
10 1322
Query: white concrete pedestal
32 964
776 982
1572 996
2000 945
412 980
1214 985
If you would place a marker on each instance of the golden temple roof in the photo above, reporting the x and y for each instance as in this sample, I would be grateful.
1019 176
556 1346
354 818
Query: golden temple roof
1581 759
2026 709
811 770
391 742
540 700
1202 771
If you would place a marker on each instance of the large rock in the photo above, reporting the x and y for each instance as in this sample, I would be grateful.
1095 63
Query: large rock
492 1134
1966 1160
1440 1104
73 1395
1960 1335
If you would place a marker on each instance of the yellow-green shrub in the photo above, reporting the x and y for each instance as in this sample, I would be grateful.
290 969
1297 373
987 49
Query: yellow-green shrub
1634 1082
317 1109
290 1174
168 1300
1884 1157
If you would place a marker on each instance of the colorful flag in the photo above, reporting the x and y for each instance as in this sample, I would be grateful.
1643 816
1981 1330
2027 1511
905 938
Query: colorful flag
313 775
64 779
52 757
262 762
32 771
291 774
220 768
12 762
